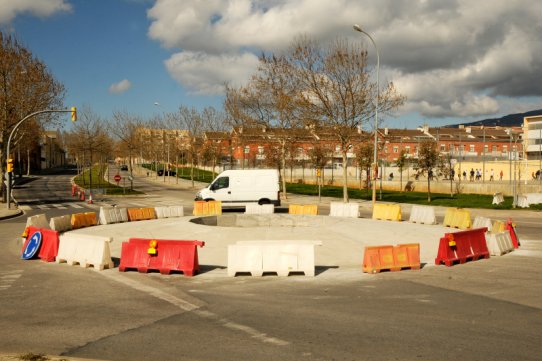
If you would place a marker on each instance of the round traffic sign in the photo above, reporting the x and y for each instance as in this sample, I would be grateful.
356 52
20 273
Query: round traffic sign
117 178
32 246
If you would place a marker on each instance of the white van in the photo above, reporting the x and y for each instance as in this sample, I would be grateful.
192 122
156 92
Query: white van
240 187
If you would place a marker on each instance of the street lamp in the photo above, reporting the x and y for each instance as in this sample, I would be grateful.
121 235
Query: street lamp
358 28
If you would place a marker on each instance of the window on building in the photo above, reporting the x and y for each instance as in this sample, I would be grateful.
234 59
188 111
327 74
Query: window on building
247 149
395 149
486 148
505 148
260 149
407 149
494 148
471 147
442 147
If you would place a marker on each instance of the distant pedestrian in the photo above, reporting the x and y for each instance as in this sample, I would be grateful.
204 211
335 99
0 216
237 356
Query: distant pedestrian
491 175
501 174
452 174
471 174
464 175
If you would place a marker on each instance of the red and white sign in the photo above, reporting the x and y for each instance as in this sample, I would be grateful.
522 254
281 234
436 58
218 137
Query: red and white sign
117 178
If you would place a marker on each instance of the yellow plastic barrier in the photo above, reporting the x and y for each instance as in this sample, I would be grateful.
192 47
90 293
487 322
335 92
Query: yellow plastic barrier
210 208
141 214
390 212
303 209
457 218
80 220
498 227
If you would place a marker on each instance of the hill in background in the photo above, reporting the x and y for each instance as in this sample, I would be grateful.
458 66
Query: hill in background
510 120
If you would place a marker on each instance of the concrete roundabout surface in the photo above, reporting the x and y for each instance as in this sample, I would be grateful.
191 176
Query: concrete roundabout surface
343 239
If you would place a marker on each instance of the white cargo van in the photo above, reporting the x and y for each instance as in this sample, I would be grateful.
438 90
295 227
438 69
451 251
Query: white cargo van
240 187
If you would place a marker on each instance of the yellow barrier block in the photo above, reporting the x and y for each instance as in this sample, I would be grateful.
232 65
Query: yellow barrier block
498 227
90 219
80 220
294 209
390 212
458 218
303 209
148 213
448 217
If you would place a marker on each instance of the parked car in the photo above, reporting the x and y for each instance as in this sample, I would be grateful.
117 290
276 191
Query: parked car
124 167
168 172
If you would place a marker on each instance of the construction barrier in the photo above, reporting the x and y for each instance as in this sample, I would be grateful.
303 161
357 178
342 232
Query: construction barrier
254 208
462 246
423 215
280 257
340 209
499 243
303 209
85 251
389 212
457 218
498 227
392 258
480 222
498 198
80 220
207 208
511 227
141 214
38 221
44 244
169 212
110 215
61 223
522 201
164 256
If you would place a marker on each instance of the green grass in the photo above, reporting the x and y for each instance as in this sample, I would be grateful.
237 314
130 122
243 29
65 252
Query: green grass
437 199
98 181
200 175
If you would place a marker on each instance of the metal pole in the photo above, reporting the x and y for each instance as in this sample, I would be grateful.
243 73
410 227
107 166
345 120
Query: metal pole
9 143
375 155
510 158
484 159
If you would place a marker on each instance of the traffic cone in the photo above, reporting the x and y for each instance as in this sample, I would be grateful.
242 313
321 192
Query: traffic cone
90 198
82 196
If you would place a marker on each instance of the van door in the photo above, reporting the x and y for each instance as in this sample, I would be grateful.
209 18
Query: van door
221 189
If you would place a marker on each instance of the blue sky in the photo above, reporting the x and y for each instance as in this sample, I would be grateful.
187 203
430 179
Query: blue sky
456 61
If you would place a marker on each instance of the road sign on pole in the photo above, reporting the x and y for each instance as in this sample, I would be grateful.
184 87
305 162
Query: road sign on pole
117 178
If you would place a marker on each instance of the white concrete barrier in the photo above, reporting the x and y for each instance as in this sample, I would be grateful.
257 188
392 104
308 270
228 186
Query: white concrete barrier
85 250
480 222
522 201
110 215
280 257
499 243
422 214
62 223
498 198
169 212
340 209
38 221
533 198
253 208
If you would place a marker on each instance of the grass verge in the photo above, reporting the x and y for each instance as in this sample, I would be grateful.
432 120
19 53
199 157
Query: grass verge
98 182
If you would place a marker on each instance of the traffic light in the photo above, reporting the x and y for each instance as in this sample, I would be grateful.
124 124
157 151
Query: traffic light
74 114
10 165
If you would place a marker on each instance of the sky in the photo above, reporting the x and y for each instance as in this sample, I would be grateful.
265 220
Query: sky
456 61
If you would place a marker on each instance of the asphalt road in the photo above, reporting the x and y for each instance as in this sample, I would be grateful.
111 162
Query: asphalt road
483 310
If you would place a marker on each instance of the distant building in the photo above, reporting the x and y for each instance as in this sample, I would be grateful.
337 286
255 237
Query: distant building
532 137
52 152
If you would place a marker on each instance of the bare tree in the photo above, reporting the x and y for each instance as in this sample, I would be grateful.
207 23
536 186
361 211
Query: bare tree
364 159
428 159
336 90
401 163
26 86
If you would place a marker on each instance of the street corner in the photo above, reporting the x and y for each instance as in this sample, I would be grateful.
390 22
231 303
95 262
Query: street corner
10 213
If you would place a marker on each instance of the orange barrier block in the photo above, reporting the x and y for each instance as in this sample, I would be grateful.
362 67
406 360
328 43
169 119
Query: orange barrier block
303 209
392 258
141 214
210 208
80 220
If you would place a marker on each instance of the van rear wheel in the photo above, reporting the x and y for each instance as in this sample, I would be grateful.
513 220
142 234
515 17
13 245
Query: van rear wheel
264 201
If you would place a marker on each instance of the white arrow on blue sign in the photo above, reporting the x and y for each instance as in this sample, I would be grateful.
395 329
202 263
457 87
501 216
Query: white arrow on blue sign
32 246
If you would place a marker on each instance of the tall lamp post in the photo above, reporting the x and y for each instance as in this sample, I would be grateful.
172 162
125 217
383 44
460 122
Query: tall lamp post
375 165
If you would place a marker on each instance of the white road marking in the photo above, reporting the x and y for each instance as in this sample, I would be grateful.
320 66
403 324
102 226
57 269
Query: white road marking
7 278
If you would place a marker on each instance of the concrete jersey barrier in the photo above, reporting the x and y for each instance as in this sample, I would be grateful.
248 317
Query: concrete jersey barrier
38 221
85 250
499 244
110 215
253 208
169 212
61 223
280 257
480 222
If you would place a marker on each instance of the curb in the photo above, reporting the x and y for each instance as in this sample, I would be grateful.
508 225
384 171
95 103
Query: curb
40 357
11 214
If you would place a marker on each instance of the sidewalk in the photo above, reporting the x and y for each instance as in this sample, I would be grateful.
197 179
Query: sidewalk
9 213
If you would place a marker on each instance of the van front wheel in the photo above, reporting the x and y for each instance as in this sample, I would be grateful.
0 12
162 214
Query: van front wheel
264 201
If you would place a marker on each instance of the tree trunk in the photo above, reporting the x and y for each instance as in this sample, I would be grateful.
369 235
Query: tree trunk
345 176
428 188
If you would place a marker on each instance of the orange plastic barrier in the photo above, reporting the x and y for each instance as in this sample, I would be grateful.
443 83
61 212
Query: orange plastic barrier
80 220
392 258
462 247
207 208
303 209
162 255
141 214
511 227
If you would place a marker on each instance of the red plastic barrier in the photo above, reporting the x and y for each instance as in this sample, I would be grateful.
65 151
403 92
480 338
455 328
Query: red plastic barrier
462 246
49 243
510 227
165 256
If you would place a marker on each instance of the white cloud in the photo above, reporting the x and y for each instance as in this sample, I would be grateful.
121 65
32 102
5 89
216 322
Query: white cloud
450 58
120 87
9 9
206 74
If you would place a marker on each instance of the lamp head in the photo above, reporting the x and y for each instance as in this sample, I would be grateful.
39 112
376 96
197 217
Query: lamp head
357 28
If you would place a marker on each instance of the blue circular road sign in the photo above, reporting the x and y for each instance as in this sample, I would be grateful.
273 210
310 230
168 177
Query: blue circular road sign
32 246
